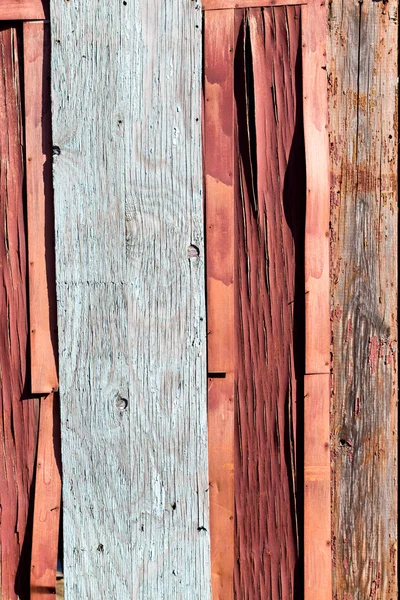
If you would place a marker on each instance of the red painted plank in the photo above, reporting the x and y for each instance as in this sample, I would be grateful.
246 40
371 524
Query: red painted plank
18 414
317 494
42 297
15 10
46 517
219 183
270 302
315 102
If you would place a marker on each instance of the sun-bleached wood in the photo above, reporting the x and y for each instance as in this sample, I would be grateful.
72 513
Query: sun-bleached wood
219 152
47 506
317 493
316 261
17 10
126 92
40 215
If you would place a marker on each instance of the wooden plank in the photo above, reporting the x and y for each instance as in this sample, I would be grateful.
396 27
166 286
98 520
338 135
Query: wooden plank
18 413
239 4
317 493
270 303
363 96
315 108
220 224
42 297
126 92
16 10
46 516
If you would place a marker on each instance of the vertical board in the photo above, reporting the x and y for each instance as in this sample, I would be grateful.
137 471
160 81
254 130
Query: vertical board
362 73
316 259
18 413
40 214
47 509
270 302
219 136
126 90
317 490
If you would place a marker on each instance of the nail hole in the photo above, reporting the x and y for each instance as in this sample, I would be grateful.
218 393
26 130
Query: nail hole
56 150
100 548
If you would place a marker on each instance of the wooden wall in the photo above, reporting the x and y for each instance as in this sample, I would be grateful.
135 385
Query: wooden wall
362 74
126 92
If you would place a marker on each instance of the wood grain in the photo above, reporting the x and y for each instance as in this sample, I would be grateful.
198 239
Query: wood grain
219 153
362 72
16 10
40 213
316 260
18 413
126 91
240 4
47 508
270 302
317 491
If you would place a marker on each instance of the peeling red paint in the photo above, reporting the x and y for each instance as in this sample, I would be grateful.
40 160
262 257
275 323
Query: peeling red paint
373 353
349 330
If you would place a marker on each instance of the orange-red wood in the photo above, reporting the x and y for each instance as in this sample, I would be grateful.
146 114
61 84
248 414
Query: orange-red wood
232 4
219 183
317 506
317 515
315 107
46 517
16 10
42 298
18 412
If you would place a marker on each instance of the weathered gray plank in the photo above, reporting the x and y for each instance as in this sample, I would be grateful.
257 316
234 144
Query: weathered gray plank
128 202
362 71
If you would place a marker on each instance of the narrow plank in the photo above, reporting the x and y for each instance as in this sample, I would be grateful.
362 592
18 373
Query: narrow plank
18 413
47 507
239 4
16 10
131 298
42 297
220 225
315 107
317 493
363 105
270 212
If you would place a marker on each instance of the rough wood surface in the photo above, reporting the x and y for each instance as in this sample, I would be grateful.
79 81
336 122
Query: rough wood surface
47 508
219 155
18 413
126 90
270 302
239 4
16 10
362 74
317 490
316 253
40 213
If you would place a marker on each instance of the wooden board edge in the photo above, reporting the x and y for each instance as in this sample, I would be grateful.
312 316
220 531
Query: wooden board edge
27 10
42 300
317 492
47 502
219 140
317 232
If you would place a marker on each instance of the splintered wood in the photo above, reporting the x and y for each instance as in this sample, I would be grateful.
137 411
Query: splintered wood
269 299
18 412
